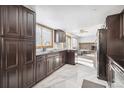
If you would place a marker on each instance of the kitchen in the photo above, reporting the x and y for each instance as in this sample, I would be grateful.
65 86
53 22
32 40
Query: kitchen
41 47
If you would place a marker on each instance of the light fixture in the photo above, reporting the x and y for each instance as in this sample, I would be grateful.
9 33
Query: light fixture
83 31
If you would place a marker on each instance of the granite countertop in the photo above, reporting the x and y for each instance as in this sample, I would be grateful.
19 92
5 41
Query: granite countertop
51 51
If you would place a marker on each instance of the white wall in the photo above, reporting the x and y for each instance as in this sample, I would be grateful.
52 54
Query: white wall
90 36
87 39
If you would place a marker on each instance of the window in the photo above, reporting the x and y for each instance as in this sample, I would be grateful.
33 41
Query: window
44 36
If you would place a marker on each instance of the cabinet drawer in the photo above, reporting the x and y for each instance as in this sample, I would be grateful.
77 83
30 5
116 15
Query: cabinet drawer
40 58
50 55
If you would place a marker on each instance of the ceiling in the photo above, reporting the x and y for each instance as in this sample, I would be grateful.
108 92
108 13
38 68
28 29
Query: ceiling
73 18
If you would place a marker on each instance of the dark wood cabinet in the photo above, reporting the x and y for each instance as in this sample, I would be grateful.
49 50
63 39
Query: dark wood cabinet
1 20
10 63
50 64
63 36
28 22
122 25
60 60
63 57
59 36
28 75
113 26
70 57
41 67
115 23
17 59
28 71
115 45
11 16
57 61
1 62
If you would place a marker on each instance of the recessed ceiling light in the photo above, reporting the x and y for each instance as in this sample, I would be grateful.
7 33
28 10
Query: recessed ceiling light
83 31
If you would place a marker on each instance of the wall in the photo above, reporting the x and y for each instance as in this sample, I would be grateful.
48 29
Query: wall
87 39
90 36
86 45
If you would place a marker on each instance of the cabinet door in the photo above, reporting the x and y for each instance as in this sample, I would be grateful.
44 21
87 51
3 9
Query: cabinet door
60 61
71 57
63 57
41 69
113 27
64 37
11 76
122 25
57 61
28 66
0 62
50 65
1 20
56 36
28 23
11 26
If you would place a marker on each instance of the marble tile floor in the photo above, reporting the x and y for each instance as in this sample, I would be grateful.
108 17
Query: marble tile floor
86 59
70 76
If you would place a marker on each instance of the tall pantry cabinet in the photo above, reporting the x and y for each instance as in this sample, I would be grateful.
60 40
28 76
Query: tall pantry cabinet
17 46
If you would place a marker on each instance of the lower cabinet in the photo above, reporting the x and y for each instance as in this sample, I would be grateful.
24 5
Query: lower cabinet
28 63
28 75
50 65
57 61
0 62
17 63
10 63
60 61
70 57
62 57
40 67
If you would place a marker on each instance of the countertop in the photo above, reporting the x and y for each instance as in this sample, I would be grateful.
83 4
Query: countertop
51 51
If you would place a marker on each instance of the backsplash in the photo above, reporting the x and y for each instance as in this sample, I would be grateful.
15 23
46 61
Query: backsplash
55 46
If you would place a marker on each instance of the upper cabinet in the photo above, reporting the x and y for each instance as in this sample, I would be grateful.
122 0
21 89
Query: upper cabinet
1 21
44 36
115 35
59 36
115 23
113 26
11 22
17 21
28 23
122 25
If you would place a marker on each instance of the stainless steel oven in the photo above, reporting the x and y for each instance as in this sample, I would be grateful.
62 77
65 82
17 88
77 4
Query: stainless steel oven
118 71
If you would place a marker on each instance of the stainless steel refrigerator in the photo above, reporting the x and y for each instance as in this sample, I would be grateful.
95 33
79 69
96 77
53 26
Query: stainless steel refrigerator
101 53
